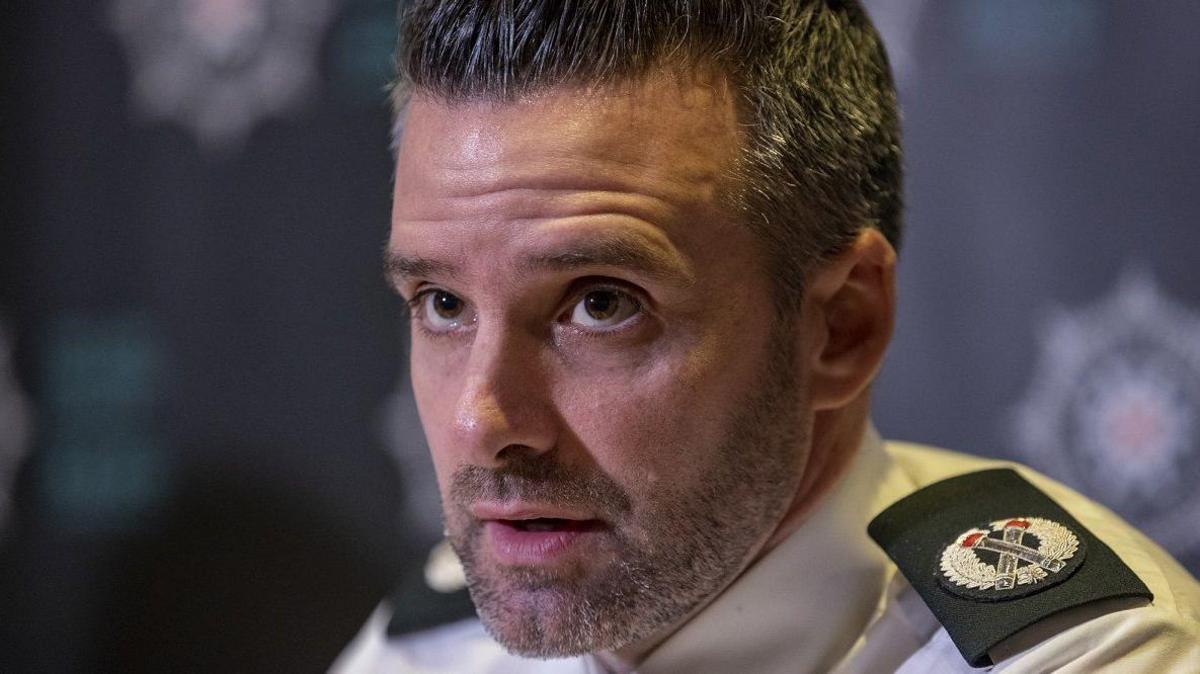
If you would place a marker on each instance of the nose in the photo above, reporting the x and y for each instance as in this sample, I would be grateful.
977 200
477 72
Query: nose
504 406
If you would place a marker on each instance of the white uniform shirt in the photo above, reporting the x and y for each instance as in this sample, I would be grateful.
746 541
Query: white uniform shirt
827 599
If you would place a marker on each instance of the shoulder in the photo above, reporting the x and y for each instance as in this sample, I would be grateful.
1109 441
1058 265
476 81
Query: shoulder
1174 589
1124 597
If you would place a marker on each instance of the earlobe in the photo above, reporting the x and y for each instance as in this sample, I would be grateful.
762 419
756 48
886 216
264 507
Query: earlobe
850 306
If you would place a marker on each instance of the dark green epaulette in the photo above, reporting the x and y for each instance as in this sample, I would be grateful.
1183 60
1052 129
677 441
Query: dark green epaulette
991 555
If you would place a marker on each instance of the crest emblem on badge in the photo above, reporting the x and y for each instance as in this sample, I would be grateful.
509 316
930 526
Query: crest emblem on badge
1009 558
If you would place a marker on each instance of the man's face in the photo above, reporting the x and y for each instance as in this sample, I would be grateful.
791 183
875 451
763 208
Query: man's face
611 402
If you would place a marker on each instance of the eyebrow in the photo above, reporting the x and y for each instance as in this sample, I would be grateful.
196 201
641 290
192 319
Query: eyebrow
398 266
605 251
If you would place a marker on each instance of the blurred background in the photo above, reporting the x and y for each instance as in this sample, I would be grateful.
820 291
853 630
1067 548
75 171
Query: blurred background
209 457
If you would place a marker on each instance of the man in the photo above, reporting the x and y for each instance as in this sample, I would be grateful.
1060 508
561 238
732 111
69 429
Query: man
649 249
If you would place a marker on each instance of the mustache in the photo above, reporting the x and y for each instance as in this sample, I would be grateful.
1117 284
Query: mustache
540 480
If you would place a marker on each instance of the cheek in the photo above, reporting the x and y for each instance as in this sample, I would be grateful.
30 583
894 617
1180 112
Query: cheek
664 422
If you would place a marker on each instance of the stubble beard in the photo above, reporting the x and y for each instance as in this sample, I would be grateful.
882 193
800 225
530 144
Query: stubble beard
672 553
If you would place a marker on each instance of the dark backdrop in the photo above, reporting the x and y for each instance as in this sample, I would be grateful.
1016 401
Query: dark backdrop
223 467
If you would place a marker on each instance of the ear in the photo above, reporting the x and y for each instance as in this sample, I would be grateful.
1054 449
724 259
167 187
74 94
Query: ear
848 315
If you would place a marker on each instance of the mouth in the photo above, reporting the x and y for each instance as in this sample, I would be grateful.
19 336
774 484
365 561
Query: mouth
537 538
549 524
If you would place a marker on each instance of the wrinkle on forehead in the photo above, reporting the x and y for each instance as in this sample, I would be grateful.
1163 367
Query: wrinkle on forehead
661 136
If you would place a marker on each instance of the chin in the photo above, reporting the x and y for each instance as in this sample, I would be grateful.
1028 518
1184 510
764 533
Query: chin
555 619
544 628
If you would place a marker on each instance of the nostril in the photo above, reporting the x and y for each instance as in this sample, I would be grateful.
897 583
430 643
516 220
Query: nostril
516 453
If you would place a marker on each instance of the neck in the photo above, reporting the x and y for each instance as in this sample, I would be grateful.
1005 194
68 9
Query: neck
836 435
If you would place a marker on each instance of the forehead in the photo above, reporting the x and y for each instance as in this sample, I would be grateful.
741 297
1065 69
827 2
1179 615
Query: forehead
634 173
665 137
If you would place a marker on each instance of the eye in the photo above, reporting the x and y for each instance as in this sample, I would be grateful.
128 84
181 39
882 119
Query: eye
442 311
604 308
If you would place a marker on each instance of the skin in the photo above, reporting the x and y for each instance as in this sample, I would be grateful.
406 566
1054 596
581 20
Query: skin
501 207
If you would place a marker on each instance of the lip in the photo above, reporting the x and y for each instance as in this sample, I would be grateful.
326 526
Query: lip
526 511
512 545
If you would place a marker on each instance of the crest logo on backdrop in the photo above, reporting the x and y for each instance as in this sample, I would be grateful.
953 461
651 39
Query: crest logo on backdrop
218 67
1114 408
